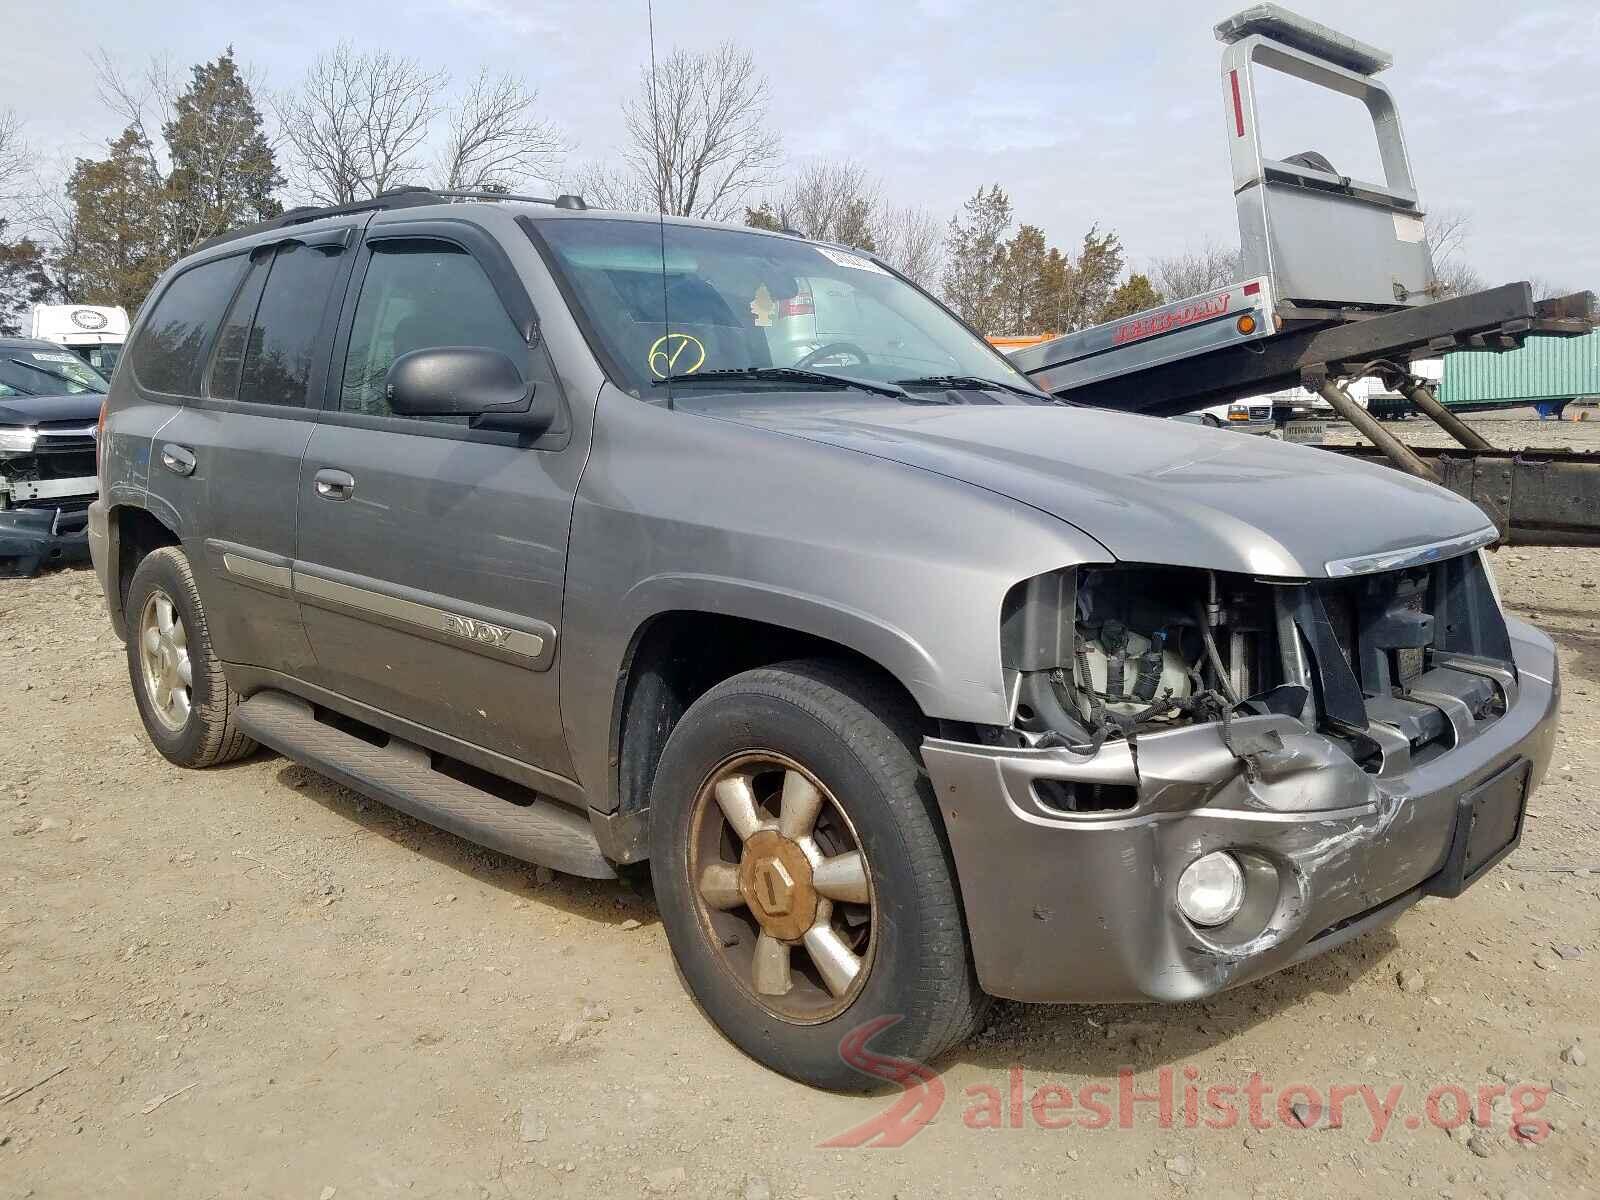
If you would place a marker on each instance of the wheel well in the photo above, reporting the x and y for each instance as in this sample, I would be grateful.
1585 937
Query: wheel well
138 533
679 656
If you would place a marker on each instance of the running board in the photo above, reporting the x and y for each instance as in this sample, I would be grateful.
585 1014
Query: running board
401 775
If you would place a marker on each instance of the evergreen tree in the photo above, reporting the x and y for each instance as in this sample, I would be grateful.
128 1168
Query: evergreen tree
764 217
23 281
119 244
1134 294
1021 282
974 257
223 173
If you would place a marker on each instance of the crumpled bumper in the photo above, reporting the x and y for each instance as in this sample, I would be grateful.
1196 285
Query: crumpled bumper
1065 906
32 537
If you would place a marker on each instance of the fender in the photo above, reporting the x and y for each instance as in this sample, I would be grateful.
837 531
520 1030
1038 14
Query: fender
893 649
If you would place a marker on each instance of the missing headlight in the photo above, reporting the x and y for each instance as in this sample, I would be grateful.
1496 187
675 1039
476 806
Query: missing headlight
1117 651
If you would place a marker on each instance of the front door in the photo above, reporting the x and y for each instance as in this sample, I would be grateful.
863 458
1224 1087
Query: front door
431 555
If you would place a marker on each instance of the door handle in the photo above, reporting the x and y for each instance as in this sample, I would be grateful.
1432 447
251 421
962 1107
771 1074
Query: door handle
335 485
177 459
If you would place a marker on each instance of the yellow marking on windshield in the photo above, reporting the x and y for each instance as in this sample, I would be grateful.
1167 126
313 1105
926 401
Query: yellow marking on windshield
668 349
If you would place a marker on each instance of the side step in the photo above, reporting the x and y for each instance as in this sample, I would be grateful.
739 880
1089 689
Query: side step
402 776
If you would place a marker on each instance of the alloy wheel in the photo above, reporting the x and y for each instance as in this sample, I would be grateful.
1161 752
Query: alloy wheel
164 656
783 886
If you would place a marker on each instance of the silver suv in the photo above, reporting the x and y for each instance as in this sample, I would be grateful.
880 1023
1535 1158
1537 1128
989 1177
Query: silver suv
913 685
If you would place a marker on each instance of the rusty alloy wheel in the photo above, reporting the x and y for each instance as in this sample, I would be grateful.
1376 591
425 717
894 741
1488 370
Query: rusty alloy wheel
783 890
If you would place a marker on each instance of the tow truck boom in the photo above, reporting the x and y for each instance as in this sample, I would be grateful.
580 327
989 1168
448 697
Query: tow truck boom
1338 284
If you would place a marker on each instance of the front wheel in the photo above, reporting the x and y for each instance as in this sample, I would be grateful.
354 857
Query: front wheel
803 878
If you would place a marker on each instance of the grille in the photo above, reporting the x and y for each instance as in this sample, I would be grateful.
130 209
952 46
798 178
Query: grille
56 436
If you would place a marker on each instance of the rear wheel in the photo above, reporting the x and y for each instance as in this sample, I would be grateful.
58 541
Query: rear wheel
802 876
183 697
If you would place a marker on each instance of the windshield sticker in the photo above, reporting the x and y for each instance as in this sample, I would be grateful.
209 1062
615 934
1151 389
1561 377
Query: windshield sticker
840 258
676 354
45 356
764 307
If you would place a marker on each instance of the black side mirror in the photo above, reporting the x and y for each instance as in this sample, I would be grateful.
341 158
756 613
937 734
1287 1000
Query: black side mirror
467 381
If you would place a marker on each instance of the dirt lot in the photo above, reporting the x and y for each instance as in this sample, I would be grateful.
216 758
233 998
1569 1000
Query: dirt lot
250 982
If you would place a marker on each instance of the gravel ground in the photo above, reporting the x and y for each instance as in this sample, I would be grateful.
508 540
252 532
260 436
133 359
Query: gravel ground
248 981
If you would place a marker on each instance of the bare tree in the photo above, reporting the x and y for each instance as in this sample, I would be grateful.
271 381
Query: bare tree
698 132
1189 274
609 185
911 240
1545 288
832 201
132 97
16 158
1446 230
356 124
496 138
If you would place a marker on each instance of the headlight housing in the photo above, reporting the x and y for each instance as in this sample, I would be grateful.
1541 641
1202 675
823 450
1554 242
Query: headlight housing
18 441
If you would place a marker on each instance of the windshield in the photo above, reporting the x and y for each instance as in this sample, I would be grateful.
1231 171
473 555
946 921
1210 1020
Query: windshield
26 371
748 302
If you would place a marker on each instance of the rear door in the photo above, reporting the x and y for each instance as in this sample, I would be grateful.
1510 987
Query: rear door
431 555
229 460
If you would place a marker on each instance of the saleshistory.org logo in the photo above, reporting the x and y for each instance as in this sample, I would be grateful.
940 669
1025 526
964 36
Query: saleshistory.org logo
1176 1098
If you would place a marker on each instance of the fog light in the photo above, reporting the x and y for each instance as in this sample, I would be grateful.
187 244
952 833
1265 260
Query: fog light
1211 889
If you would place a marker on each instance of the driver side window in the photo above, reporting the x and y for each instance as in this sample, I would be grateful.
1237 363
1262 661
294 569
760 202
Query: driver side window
418 294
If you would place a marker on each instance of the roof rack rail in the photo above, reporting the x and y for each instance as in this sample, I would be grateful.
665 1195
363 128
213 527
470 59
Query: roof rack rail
565 200
399 197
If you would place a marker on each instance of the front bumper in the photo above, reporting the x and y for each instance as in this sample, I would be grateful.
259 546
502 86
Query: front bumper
33 537
1065 906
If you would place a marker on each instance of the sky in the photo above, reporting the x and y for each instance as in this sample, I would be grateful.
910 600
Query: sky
1109 113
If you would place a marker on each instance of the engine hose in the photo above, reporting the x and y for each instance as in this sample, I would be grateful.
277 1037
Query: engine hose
1214 657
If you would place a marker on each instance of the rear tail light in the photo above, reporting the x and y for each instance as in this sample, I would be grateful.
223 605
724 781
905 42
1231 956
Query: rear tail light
798 306
100 441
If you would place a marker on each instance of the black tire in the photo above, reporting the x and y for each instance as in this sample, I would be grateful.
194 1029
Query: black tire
854 735
1209 420
207 735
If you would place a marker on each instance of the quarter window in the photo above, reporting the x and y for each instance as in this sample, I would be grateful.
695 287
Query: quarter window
174 337
228 364
418 294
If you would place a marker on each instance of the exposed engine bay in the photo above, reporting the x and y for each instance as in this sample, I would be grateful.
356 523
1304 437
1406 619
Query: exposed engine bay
1117 653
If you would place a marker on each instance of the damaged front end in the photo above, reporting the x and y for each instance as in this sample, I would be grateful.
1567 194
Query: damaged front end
1209 776
47 482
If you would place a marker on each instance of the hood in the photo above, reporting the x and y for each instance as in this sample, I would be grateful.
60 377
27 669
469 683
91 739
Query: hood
1148 490
34 410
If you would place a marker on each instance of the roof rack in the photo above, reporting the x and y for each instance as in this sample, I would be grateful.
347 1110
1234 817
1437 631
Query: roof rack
393 198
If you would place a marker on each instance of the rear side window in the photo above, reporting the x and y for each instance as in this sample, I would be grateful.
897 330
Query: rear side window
173 340
278 358
418 294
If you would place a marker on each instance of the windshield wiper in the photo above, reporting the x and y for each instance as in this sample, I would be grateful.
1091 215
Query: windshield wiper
84 384
787 375
973 383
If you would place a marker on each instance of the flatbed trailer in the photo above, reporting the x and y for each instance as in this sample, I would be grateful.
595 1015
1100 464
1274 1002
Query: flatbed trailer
1339 285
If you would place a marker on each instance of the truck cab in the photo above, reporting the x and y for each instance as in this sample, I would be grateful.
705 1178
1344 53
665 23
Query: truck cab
96 333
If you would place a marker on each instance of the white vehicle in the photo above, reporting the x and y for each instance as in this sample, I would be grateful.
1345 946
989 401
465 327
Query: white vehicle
95 333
